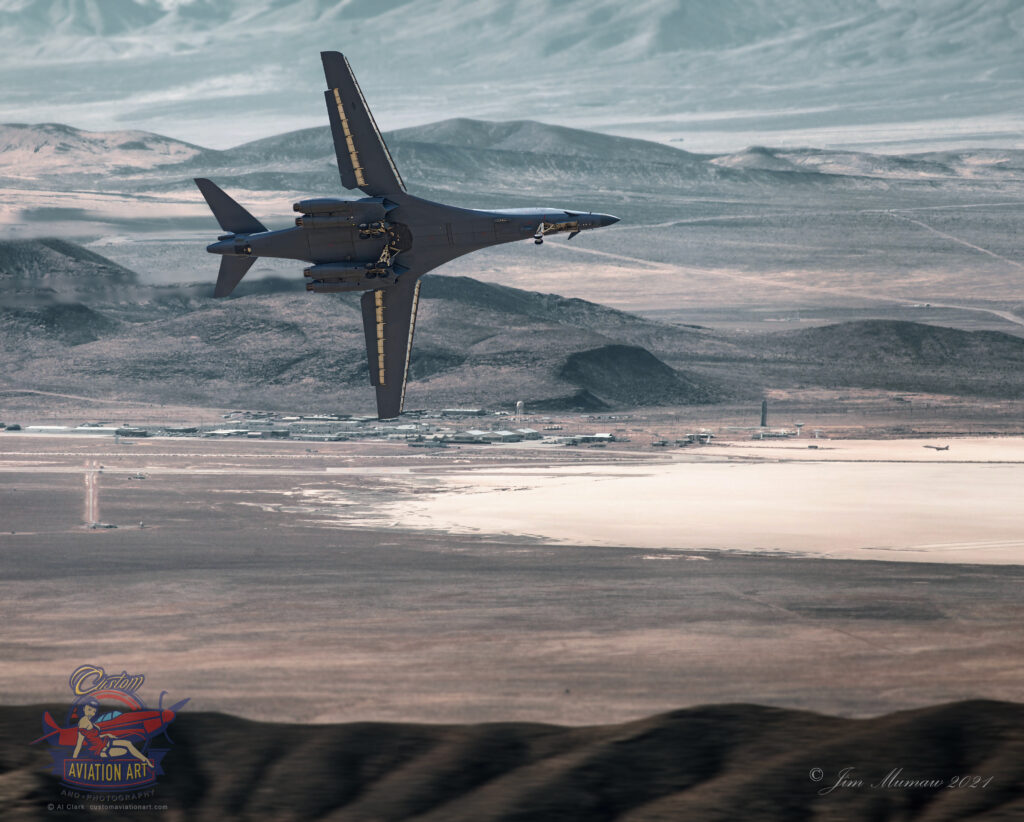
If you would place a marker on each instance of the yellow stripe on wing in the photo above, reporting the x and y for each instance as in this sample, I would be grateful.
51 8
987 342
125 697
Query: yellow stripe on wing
353 155
378 299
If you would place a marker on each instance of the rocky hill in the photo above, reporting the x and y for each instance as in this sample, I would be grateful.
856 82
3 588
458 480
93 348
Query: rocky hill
53 149
276 345
470 157
57 266
904 356
72 320
720 762
462 156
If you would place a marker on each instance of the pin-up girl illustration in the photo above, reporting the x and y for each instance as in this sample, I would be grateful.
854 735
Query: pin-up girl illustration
97 743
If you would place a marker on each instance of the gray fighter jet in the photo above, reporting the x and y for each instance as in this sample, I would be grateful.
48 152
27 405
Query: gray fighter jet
381 243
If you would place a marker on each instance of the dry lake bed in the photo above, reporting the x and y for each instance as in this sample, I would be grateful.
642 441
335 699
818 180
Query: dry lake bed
343 581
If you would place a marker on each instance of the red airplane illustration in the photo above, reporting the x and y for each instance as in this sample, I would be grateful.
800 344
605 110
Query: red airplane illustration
139 725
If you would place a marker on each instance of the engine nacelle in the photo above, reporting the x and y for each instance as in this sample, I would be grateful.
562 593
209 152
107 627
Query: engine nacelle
367 283
348 271
323 205
336 271
327 221
329 212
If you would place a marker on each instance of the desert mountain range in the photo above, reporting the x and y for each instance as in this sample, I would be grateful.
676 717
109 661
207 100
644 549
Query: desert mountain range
76 322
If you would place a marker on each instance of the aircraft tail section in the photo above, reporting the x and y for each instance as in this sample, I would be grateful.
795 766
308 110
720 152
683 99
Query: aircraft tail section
50 726
229 214
234 219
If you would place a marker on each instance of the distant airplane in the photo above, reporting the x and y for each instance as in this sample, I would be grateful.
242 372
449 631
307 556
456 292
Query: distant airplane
938 447
380 244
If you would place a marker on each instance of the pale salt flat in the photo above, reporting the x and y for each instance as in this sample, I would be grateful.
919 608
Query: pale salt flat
854 499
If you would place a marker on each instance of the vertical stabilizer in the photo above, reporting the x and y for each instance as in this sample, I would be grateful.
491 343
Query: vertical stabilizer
229 214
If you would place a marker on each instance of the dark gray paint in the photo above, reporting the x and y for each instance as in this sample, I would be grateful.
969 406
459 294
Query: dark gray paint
387 255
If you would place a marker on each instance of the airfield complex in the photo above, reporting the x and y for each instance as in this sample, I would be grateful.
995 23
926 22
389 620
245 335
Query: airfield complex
853 414
427 428
480 427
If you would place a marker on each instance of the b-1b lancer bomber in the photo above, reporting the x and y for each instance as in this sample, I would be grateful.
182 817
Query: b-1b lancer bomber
381 243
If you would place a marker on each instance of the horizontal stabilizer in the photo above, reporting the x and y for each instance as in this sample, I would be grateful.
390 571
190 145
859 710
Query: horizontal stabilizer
232 269
230 215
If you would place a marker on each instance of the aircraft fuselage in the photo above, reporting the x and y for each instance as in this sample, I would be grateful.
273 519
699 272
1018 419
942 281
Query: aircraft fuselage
380 244
413 231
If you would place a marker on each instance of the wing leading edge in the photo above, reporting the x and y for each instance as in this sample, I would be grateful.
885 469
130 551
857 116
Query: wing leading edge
363 159
389 320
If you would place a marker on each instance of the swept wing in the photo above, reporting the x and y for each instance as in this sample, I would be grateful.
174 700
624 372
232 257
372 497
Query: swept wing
363 159
389 320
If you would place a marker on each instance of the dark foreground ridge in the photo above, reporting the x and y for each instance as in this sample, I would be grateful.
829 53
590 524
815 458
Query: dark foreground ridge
719 762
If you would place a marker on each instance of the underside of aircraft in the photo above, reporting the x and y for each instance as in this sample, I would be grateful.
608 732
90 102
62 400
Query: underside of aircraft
381 243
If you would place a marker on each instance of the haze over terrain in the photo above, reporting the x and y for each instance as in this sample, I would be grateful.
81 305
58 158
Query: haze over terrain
743 239
843 160
892 76
75 322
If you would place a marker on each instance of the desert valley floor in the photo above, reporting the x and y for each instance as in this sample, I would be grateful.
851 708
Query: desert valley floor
279 581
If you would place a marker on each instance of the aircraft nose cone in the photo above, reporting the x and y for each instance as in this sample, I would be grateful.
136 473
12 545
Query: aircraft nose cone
608 219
